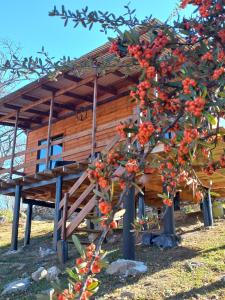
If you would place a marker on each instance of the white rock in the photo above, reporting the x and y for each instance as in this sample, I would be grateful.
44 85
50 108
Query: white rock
11 252
126 267
45 252
16 286
39 274
127 295
53 273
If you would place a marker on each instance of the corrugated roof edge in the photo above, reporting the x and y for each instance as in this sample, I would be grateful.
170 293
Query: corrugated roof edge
37 83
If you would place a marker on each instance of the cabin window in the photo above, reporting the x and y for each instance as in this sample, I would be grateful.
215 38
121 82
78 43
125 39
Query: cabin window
55 150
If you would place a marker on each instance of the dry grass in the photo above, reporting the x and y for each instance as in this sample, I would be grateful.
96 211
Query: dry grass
169 275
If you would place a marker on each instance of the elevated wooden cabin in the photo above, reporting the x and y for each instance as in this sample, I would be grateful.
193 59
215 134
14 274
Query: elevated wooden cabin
67 122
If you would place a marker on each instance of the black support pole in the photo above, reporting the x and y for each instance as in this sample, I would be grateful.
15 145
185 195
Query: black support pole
207 210
58 197
168 220
141 206
128 220
28 224
16 214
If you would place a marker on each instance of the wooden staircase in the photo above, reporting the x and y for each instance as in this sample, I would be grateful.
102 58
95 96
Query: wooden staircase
87 197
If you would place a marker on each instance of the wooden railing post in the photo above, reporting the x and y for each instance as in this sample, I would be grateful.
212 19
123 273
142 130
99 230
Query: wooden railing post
14 144
93 146
49 132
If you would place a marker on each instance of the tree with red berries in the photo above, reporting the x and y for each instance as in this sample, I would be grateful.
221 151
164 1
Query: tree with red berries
180 93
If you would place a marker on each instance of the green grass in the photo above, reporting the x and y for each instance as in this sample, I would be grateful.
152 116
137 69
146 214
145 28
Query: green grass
7 213
168 276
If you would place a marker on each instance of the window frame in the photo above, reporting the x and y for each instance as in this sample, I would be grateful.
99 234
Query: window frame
53 138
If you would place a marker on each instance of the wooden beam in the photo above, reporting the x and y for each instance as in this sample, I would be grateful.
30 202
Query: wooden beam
14 144
68 106
94 114
86 98
16 214
106 89
80 216
47 98
33 111
130 78
71 77
39 203
49 131
42 183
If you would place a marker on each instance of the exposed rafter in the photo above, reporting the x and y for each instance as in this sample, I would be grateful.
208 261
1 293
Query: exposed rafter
34 111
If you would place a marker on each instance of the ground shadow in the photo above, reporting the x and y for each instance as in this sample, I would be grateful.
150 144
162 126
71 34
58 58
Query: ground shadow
203 291
155 258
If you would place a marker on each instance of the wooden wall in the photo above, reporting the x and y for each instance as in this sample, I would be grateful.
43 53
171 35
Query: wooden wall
78 149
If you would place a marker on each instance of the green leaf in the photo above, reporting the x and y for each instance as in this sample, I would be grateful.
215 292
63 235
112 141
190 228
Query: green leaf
78 245
72 274
212 120
214 194
93 287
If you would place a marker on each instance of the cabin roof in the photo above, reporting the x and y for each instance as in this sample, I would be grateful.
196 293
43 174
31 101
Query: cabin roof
73 90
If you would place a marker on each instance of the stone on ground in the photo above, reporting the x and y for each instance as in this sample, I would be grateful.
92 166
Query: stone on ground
53 273
16 286
45 252
40 274
126 267
3 219
127 295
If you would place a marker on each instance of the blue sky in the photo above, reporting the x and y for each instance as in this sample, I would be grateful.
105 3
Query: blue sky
27 24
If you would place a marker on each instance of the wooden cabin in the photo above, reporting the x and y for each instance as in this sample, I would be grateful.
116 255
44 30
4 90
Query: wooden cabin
67 122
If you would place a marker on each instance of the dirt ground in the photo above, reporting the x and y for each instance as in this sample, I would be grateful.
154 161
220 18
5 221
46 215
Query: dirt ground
171 274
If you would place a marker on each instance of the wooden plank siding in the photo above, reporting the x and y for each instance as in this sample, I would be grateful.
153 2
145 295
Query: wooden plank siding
78 147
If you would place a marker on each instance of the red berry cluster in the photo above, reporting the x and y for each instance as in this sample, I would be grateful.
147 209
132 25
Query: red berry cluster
222 161
187 83
120 129
145 131
218 72
168 202
190 134
83 264
221 56
114 48
105 207
96 173
221 35
195 106
204 6
207 56
141 92
132 166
